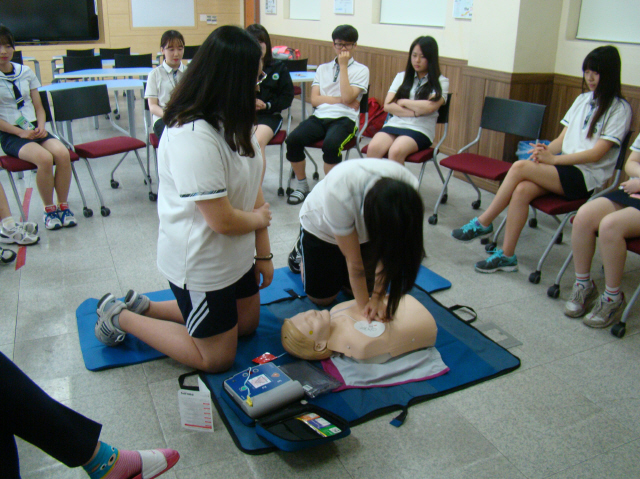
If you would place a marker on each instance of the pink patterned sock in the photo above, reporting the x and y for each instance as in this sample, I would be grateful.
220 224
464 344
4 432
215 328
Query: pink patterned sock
128 465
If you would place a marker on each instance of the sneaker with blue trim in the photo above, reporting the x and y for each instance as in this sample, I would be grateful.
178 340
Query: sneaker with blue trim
106 332
136 302
498 262
52 221
472 230
605 313
67 218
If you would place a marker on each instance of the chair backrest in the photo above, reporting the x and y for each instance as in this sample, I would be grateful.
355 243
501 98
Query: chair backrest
443 111
108 53
296 65
364 103
622 154
73 64
47 108
81 53
190 51
511 116
81 102
17 57
133 61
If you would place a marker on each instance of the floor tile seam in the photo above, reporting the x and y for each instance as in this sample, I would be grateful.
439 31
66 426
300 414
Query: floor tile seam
155 412
351 476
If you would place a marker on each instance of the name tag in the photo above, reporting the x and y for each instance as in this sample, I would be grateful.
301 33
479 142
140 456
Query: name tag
25 124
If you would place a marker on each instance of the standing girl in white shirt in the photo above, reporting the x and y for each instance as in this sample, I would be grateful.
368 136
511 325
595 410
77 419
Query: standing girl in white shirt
574 165
413 101
213 244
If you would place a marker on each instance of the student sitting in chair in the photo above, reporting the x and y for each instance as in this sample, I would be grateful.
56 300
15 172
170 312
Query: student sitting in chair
335 94
163 80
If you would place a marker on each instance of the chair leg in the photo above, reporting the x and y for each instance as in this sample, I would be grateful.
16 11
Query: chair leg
280 188
104 211
87 212
17 195
433 219
535 276
114 183
152 196
476 204
315 165
554 290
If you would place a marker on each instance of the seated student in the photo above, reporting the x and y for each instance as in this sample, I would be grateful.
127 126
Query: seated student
612 219
23 135
163 80
315 335
13 232
275 92
363 221
213 243
413 101
574 165
29 413
336 92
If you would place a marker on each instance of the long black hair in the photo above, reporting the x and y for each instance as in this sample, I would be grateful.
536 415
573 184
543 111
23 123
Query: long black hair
393 215
262 35
605 61
429 48
6 37
220 87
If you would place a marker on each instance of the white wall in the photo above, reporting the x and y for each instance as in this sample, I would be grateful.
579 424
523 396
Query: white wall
537 38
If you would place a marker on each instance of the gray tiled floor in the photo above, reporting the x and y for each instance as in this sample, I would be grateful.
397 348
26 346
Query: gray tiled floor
570 411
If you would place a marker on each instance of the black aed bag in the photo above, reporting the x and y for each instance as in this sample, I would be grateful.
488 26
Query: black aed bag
300 426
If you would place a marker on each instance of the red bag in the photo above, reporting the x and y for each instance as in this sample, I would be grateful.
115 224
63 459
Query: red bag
285 53
377 116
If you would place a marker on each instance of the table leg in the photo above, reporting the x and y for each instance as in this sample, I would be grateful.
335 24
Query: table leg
304 101
131 111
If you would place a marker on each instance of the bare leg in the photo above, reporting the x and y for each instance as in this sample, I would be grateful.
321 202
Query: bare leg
401 148
518 212
380 144
585 227
614 228
327 168
5 211
165 310
62 180
43 159
543 175
264 134
299 168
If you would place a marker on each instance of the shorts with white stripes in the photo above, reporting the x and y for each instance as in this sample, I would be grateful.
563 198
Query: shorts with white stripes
214 312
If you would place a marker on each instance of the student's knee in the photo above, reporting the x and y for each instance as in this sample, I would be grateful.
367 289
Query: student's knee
295 150
610 230
587 218
524 192
218 364
248 322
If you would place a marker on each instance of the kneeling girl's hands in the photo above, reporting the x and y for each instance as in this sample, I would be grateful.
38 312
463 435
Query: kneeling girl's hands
375 310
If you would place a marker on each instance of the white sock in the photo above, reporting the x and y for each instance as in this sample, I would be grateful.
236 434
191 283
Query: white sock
303 185
8 223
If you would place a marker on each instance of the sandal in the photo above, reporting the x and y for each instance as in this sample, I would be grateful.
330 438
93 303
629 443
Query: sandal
297 197
7 256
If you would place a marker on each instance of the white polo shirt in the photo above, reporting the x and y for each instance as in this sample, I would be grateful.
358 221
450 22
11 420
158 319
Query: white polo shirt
26 81
636 144
336 205
161 83
425 124
612 126
328 80
195 164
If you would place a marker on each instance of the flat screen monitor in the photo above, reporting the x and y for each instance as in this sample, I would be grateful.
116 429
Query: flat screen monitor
51 21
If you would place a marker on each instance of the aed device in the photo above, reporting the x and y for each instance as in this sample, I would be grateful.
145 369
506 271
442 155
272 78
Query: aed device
261 389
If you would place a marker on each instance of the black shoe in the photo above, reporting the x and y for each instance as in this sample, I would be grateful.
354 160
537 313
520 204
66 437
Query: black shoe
295 257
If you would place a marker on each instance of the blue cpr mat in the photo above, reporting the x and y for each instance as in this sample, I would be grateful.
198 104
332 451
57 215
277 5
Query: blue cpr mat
285 285
471 356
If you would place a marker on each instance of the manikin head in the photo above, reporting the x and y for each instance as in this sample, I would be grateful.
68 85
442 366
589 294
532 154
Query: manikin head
306 334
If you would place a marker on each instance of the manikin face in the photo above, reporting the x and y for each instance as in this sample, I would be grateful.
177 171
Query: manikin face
315 325
592 79
173 53
418 61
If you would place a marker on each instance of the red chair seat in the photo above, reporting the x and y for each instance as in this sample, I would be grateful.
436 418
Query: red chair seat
109 146
554 205
297 90
16 165
420 156
154 140
633 245
279 138
477 165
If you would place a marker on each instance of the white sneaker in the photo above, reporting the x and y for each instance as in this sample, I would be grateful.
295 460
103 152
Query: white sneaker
605 313
29 226
18 235
52 221
580 300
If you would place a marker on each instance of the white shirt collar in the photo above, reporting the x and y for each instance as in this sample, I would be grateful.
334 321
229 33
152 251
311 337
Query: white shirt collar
168 69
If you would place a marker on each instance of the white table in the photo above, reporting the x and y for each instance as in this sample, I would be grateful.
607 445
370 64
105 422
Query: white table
105 63
103 73
36 66
303 77
128 85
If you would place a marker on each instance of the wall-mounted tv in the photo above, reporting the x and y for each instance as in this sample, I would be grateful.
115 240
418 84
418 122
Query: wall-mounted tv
51 21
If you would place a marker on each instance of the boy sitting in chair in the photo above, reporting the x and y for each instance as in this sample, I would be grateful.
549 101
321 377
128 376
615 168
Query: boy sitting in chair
336 92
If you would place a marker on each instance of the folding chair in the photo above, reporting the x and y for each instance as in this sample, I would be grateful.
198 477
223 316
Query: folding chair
619 329
353 143
17 57
73 64
130 61
88 101
501 115
554 290
431 153
152 139
90 52
555 205
15 165
296 66
279 139
108 53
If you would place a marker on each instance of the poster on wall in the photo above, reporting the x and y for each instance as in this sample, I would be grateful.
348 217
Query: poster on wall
270 7
343 7
463 9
